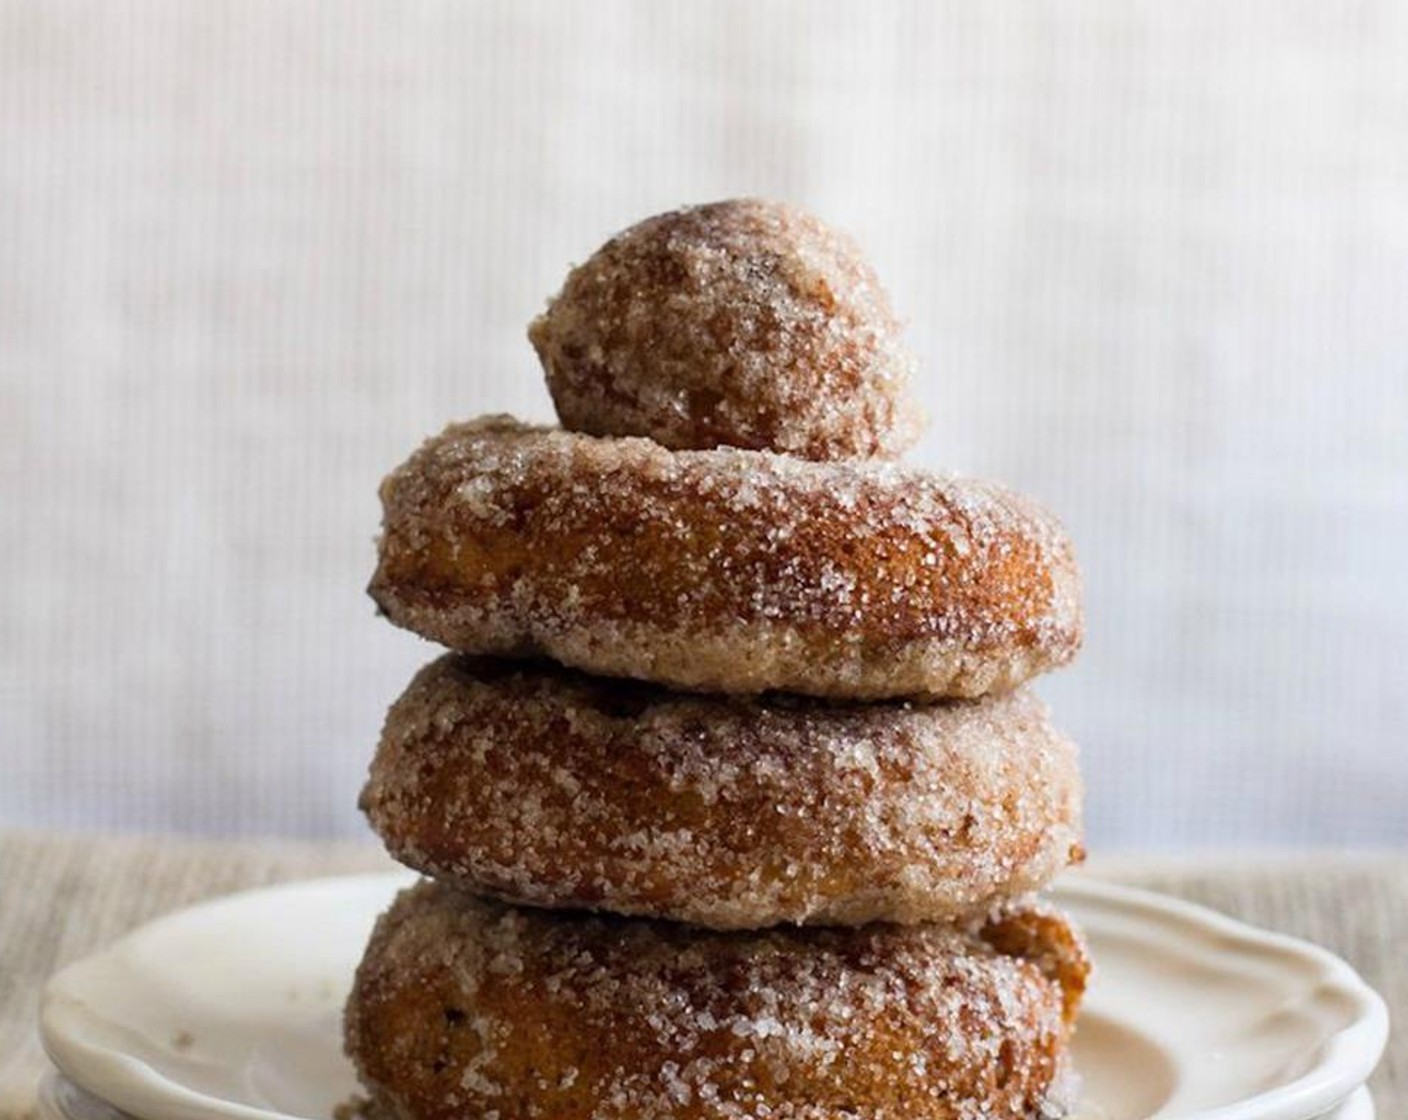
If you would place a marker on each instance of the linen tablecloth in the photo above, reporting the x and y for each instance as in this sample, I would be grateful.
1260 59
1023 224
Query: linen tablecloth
63 895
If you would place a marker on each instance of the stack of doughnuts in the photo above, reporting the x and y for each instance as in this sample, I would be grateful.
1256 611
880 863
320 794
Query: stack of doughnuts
730 797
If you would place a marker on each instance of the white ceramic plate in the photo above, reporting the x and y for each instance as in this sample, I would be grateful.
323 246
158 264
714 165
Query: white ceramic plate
61 1099
231 1010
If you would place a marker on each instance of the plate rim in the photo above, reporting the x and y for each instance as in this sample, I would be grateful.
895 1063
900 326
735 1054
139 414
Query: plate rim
144 1091
1349 1055
49 1104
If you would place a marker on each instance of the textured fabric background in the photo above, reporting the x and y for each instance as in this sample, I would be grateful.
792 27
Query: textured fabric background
64 896
1155 258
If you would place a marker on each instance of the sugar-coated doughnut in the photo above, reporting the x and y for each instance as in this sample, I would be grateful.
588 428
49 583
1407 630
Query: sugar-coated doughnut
542 786
467 1008
724 570
744 323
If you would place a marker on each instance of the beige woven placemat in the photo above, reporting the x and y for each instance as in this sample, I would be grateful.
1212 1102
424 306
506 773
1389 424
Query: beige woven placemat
61 896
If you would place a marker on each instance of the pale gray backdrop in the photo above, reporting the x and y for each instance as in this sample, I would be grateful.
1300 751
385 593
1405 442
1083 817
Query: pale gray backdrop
1154 255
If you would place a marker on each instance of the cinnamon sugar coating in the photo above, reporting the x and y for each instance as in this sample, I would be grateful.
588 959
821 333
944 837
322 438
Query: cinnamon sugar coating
464 1007
542 786
744 323
723 571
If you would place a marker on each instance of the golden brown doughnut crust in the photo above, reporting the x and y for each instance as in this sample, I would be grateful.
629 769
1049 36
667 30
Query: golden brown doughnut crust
744 323
467 1008
542 786
725 570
